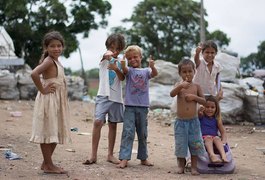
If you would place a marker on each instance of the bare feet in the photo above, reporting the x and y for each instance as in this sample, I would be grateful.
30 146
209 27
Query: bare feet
225 160
113 160
122 164
146 163
180 170
90 161
52 169
194 172
215 159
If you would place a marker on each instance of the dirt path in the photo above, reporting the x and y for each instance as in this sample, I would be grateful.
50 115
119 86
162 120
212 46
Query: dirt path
15 133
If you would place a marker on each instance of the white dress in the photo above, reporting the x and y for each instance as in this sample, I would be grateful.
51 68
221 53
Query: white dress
51 113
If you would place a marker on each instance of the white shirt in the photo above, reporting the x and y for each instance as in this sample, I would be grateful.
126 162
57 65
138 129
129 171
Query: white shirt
109 83
205 79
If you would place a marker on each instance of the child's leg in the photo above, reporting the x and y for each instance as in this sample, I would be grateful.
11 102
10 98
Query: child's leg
97 125
53 146
48 166
181 165
112 138
194 165
141 130
123 164
208 141
127 138
219 145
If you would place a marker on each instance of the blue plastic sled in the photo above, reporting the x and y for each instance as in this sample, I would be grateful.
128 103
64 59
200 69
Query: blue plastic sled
205 166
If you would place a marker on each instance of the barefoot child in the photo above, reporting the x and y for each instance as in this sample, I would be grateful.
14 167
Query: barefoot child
211 123
51 111
187 125
136 106
109 98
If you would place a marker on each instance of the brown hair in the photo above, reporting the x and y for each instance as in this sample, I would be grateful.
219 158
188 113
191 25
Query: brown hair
209 44
117 39
185 61
48 37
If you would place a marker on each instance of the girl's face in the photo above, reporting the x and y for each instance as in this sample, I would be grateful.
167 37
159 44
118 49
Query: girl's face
187 72
210 109
209 54
115 50
55 48
134 59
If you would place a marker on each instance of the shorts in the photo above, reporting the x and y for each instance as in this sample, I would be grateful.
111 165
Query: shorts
188 137
105 107
209 136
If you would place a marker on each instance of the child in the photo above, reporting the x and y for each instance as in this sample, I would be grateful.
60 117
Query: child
208 70
51 110
211 123
136 106
187 125
109 98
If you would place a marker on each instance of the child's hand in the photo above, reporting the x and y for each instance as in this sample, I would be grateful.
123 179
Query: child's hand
113 66
108 55
151 62
49 88
185 84
189 97
123 62
199 48
201 109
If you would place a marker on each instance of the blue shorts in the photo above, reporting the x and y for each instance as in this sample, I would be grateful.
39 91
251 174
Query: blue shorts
105 107
188 135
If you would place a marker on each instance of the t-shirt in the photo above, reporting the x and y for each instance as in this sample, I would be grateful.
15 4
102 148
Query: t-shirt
109 83
208 125
205 79
137 87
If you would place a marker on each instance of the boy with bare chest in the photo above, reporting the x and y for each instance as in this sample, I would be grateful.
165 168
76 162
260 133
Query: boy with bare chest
187 126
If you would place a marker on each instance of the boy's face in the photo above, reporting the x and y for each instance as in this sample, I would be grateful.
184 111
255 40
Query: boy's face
187 72
134 59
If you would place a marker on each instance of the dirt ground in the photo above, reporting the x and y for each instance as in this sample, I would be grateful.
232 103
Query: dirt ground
16 131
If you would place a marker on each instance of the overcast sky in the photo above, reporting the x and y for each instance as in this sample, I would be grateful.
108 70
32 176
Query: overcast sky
242 20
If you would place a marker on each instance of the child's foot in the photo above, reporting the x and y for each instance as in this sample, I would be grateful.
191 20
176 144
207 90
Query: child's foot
215 159
113 160
122 164
146 163
180 170
194 172
225 160
52 169
90 161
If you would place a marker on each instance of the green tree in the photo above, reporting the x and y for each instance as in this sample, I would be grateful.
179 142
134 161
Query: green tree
261 55
166 29
27 21
219 37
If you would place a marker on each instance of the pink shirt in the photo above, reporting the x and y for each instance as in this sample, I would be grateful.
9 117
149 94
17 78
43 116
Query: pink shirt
205 79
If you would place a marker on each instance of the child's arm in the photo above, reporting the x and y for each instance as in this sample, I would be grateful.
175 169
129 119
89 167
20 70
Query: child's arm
152 66
219 88
113 66
197 55
199 98
35 75
222 131
178 86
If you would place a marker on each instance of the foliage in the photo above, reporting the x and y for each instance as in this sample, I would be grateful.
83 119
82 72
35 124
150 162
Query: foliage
254 60
26 21
93 73
219 37
166 29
